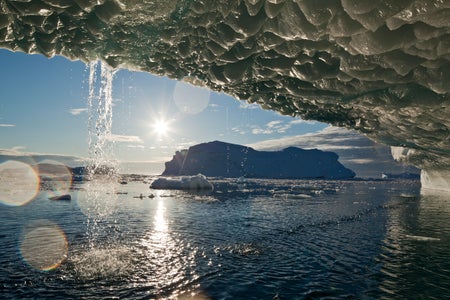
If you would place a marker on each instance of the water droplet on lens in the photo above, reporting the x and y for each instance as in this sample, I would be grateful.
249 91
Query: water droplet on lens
190 99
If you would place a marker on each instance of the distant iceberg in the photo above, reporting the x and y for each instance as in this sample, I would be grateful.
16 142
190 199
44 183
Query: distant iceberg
219 159
197 182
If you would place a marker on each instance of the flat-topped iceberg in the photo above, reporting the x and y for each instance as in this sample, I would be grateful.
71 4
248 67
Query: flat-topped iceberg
219 159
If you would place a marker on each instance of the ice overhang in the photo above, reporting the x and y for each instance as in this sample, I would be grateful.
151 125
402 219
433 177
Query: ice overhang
380 67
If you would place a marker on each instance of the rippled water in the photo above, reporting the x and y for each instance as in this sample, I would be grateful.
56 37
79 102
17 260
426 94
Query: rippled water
258 240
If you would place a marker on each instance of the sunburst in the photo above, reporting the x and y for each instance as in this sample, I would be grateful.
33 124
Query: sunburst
161 127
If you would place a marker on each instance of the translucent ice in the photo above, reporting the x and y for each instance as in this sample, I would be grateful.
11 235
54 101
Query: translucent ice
378 66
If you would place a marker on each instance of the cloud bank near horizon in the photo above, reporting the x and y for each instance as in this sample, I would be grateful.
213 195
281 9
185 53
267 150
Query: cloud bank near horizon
357 152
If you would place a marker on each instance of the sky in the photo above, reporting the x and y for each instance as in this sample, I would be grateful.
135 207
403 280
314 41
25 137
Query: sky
43 109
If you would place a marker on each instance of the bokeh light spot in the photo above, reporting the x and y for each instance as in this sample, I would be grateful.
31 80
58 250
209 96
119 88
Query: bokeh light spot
44 245
190 99
56 178
19 183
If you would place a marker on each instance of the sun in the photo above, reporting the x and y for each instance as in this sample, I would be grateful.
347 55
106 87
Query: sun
161 127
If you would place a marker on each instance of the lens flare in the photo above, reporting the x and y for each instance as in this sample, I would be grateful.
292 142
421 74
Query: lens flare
44 245
190 99
56 178
19 183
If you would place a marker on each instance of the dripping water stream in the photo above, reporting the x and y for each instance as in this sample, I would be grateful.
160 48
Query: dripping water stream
99 257
100 103
102 166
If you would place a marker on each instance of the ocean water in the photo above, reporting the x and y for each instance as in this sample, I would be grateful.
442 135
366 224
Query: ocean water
262 239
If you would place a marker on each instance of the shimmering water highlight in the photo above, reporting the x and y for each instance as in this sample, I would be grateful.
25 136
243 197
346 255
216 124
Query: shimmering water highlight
258 239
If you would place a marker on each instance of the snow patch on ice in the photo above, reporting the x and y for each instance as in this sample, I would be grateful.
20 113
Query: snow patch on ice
197 182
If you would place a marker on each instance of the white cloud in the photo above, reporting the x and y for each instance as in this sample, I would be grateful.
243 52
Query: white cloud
7 125
124 138
136 146
301 121
17 153
274 124
357 152
272 127
257 130
246 105
277 126
77 111
327 139
16 150
238 130
185 145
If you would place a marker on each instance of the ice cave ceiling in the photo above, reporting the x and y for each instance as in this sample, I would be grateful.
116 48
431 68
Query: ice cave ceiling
381 67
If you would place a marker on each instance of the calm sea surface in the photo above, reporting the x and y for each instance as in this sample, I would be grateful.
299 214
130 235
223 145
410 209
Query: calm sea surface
263 239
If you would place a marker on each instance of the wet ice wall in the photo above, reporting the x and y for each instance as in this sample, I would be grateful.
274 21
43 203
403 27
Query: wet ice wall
380 67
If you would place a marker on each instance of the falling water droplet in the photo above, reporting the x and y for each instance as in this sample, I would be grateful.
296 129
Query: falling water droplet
98 200
100 103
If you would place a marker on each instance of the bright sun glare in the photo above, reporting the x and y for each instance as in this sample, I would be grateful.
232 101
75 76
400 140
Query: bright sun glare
160 127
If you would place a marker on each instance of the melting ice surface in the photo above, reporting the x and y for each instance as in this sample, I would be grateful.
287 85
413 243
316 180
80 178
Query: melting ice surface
380 67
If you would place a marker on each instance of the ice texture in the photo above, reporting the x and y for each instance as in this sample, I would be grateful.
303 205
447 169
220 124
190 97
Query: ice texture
378 66
219 159
196 182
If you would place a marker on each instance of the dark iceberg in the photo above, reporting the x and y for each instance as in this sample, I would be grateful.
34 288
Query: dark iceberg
380 67
219 159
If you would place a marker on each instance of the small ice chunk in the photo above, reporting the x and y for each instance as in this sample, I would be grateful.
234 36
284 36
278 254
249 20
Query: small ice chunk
422 238
197 182
241 179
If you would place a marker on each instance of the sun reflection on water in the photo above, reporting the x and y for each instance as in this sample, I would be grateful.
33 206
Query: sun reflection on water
169 266
160 223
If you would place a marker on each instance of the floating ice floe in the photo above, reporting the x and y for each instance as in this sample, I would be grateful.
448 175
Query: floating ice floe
65 197
422 238
197 182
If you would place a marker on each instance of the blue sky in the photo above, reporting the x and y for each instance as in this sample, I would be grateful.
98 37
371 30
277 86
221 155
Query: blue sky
43 110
